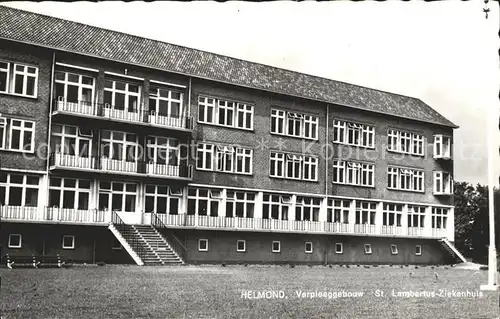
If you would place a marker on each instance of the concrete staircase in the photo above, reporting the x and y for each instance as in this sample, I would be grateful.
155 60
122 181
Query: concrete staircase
450 248
145 245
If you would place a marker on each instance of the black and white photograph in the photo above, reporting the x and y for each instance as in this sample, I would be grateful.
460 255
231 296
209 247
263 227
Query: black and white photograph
280 159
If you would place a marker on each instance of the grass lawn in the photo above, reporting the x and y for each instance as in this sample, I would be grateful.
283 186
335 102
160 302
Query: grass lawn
216 292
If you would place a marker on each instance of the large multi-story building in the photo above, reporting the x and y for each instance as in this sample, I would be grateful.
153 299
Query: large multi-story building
117 148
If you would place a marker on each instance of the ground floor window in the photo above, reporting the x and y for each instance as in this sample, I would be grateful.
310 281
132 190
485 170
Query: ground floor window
163 199
339 249
394 249
418 250
19 189
118 196
338 211
241 246
240 204
203 245
15 241
276 246
68 242
203 201
368 249
309 247
69 193
276 206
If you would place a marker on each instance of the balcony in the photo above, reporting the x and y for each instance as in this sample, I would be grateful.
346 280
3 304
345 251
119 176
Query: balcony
107 112
54 215
115 166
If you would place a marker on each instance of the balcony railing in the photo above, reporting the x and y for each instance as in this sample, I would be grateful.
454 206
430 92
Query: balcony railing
53 214
364 228
104 164
137 116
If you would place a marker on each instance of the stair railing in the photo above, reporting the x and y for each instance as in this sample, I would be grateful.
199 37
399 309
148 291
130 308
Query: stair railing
128 234
174 242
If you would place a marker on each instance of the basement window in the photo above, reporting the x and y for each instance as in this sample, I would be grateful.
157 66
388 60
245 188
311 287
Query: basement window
309 247
68 242
276 246
394 249
368 249
241 246
203 245
418 250
339 249
116 245
15 241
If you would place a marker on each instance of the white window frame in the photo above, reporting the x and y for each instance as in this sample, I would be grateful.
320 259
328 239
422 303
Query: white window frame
308 251
77 189
3 130
171 145
6 71
123 193
306 125
443 183
341 250
405 142
405 179
168 195
353 173
206 244
244 246
279 246
241 198
72 242
418 250
338 211
344 130
212 107
210 198
394 249
300 163
25 74
154 94
368 249
224 158
8 184
124 142
439 218
311 205
9 245
416 216
442 146
365 213
202 162
81 86
77 136
394 212
283 203
126 92
21 127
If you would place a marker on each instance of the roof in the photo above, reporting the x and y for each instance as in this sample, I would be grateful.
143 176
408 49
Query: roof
41 30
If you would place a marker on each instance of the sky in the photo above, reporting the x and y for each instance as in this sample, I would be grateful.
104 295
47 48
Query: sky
444 52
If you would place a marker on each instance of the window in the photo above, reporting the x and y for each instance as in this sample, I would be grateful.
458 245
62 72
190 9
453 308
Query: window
122 96
165 102
439 218
69 193
67 139
21 135
365 212
368 249
353 173
294 124
162 150
68 242
338 211
293 166
3 131
394 249
353 134
241 246
117 196
307 208
443 183
74 88
240 204
19 189
405 179
203 201
120 146
416 216
4 77
392 214
163 199
418 250
15 241
309 247
225 113
339 249
276 246
276 206
229 159
203 245
405 142
442 146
